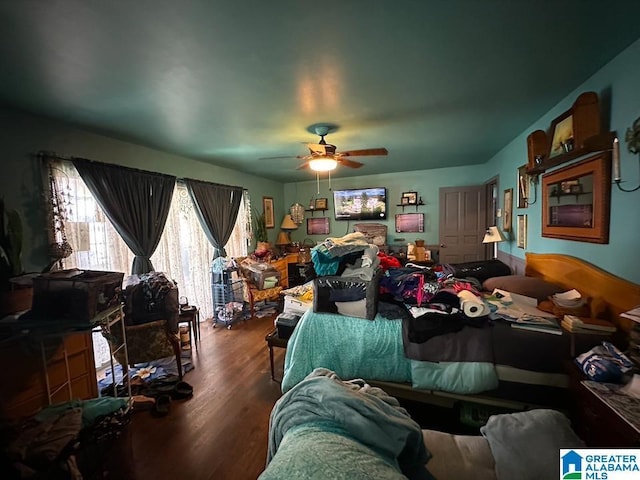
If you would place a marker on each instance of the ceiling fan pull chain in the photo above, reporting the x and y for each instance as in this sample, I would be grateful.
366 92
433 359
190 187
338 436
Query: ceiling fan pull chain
318 182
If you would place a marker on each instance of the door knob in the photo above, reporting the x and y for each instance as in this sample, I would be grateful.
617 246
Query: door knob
442 245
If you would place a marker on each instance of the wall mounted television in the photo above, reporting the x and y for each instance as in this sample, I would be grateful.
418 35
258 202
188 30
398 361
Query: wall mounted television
360 204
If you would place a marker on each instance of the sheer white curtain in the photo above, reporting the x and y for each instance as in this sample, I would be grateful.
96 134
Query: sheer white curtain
184 252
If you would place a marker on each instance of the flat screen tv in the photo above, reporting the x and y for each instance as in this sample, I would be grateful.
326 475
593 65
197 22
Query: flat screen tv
360 204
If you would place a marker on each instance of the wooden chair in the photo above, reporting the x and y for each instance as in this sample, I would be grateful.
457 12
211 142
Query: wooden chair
151 333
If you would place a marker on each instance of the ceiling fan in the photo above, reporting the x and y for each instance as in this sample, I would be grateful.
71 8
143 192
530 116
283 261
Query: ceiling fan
324 157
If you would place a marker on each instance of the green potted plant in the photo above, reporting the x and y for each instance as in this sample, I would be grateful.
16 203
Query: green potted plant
12 298
263 247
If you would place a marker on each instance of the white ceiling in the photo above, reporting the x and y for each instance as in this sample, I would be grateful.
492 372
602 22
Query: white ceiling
437 83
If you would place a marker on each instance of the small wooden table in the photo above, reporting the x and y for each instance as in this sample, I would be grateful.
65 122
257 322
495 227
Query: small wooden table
274 340
191 316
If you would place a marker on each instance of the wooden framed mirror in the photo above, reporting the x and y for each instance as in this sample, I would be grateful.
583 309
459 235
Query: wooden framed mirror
576 201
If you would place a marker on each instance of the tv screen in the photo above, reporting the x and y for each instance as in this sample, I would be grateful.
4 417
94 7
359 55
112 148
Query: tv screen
360 204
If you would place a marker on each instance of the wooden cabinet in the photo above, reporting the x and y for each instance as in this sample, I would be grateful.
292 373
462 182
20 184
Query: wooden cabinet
24 383
596 422
282 266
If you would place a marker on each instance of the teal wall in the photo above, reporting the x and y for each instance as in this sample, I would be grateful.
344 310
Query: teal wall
618 86
425 182
21 186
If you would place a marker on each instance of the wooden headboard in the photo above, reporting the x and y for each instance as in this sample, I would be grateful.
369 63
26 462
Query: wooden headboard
618 294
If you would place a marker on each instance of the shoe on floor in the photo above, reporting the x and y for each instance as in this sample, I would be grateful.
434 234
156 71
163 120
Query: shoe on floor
181 391
161 407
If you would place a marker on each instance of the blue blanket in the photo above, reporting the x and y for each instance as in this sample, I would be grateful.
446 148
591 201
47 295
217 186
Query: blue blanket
356 410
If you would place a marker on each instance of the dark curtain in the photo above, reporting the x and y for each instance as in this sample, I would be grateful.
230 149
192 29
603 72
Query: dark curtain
136 202
217 208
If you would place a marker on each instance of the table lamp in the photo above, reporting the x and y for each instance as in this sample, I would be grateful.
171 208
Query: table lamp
286 226
493 235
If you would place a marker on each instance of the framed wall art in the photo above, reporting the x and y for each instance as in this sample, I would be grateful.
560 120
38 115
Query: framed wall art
412 198
318 226
576 201
507 210
523 188
320 204
521 233
267 208
410 222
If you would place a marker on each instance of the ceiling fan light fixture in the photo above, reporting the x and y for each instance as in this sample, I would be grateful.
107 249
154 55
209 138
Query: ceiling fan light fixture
324 164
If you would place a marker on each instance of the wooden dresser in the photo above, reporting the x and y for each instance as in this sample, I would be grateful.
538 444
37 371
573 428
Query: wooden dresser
282 265
24 383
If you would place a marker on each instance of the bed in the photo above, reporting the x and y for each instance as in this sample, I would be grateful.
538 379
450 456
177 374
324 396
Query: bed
328 428
524 370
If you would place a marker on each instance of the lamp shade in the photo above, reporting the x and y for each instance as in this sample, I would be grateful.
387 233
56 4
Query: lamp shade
493 235
288 223
283 238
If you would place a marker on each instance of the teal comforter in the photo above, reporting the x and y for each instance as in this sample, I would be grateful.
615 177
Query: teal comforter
323 411
372 350
351 347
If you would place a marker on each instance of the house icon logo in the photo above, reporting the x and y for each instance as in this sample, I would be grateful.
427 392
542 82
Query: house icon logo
571 466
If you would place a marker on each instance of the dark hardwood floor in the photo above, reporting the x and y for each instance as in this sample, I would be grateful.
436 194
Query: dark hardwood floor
221 432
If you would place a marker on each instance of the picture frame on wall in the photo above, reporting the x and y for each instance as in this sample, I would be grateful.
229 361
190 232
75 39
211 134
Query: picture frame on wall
562 140
410 222
412 198
523 187
522 232
320 204
267 208
318 226
576 201
507 210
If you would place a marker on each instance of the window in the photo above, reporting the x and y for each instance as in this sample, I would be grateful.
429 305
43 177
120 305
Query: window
184 252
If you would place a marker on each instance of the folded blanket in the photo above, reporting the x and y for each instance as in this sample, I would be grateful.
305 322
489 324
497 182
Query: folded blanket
361 412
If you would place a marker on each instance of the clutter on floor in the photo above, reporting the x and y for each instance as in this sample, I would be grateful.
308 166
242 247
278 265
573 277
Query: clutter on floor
67 440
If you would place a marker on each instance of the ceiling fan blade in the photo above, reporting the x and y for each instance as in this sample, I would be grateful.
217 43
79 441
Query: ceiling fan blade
283 156
349 163
363 152
316 148
303 165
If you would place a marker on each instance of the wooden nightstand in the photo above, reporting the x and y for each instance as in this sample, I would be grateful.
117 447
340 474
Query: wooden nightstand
597 422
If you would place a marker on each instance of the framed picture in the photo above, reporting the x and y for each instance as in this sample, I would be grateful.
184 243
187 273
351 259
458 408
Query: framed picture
523 187
267 208
404 201
562 140
412 198
318 226
320 204
576 201
522 231
410 222
507 210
